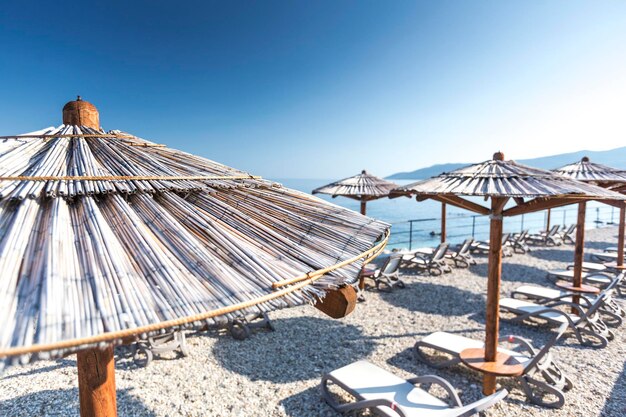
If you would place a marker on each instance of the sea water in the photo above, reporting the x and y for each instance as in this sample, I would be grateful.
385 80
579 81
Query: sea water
418 224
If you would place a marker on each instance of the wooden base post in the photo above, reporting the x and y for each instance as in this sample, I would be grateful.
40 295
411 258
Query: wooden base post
363 208
620 237
579 251
96 383
493 291
548 220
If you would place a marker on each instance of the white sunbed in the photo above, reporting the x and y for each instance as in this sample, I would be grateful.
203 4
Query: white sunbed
610 311
535 363
585 324
596 278
391 396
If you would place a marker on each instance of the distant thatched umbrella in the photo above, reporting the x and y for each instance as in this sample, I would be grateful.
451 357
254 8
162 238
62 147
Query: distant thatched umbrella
363 187
501 181
105 237
605 177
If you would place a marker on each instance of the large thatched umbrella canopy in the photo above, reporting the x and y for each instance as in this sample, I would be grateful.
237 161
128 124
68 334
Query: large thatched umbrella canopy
603 176
530 189
363 187
106 236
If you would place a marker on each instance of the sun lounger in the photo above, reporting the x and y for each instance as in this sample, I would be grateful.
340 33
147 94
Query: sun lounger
551 238
591 267
611 311
518 242
585 325
594 278
483 247
462 256
536 363
612 249
389 395
388 276
604 256
143 350
569 235
434 264
240 328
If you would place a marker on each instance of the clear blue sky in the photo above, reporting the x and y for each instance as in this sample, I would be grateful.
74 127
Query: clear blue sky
322 89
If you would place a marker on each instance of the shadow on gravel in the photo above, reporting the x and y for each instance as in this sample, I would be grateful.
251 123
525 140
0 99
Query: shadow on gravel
435 299
61 363
512 271
65 403
615 405
305 347
548 254
599 246
307 403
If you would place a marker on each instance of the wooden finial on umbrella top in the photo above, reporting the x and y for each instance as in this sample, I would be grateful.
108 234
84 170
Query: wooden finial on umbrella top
81 113
585 159
498 156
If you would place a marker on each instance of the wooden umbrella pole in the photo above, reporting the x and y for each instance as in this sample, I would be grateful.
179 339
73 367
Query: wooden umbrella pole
579 250
363 207
493 291
548 220
443 222
96 382
620 237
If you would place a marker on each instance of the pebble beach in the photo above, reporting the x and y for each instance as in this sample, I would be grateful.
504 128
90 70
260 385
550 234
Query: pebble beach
278 373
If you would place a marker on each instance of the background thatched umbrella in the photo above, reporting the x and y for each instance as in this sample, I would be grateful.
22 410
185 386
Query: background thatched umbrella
105 237
363 187
605 177
530 190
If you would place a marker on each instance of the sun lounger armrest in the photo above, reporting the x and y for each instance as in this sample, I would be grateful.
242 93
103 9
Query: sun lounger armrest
434 379
358 405
365 404
522 342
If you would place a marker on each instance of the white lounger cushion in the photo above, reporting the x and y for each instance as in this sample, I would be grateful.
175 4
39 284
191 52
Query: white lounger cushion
569 275
370 382
454 344
548 293
523 307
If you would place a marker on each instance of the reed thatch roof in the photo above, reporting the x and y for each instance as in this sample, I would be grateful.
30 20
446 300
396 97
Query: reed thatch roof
151 237
362 187
499 178
587 171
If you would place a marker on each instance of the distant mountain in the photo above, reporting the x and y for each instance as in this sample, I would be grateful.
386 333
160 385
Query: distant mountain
615 158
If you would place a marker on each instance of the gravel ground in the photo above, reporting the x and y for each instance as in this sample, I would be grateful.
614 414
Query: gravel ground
278 373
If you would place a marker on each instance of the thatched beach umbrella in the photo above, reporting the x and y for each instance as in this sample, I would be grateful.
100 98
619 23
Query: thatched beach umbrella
106 237
602 176
530 189
363 187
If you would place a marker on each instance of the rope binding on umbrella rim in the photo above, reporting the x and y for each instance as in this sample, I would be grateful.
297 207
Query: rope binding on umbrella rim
310 277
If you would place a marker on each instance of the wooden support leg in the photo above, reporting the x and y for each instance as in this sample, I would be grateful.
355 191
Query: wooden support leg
493 291
620 237
579 251
96 383
443 222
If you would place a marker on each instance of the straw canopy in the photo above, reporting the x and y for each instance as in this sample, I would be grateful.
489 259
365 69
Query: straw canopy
603 176
362 187
587 171
499 178
104 236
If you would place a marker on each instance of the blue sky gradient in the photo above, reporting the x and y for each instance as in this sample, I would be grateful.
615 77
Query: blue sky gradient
324 89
